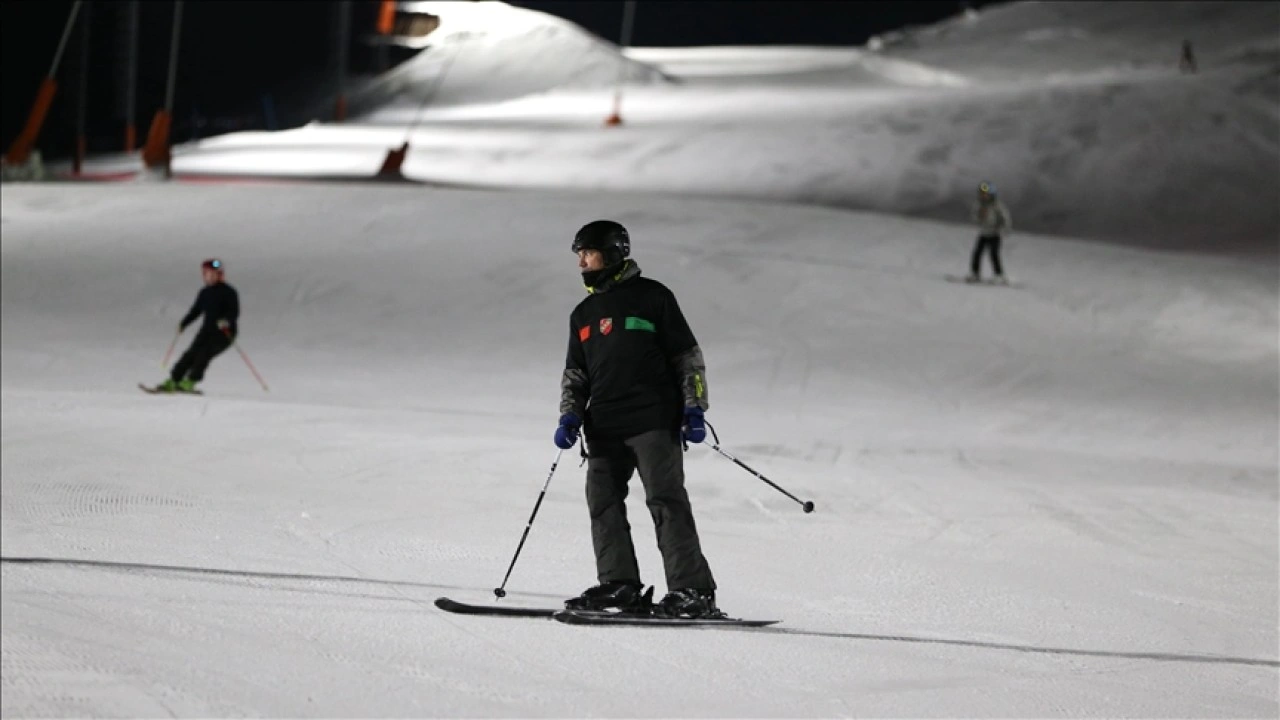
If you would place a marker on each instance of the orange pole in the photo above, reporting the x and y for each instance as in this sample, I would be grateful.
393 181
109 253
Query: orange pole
628 22
155 153
615 117
252 369
20 150
165 362
391 164
387 17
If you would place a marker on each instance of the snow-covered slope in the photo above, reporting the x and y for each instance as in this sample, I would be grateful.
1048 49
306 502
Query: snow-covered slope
491 51
1058 500
1054 500
1064 39
1076 111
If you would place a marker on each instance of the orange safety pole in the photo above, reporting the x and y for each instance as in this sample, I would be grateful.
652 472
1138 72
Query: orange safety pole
615 117
156 152
20 150
386 26
387 17
628 21
391 165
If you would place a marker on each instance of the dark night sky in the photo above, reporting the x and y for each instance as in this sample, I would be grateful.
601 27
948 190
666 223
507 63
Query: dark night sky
235 52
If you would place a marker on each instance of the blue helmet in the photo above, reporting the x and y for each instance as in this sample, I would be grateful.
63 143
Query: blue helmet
986 188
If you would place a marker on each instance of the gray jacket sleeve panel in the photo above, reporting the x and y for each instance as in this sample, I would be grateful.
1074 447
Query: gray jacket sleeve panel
692 370
573 392
683 352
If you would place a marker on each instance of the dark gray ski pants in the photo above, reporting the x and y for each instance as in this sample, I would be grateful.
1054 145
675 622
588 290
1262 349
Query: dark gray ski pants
194 362
659 457
988 243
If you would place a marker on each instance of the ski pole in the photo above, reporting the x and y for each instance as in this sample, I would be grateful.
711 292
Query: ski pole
165 362
806 504
252 369
500 591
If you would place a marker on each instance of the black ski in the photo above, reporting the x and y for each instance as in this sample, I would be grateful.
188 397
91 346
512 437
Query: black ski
591 617
574 617
157 391
461 608
988 283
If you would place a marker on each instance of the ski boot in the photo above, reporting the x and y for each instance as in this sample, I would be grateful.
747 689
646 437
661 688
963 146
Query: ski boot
186 385
689 603
628 597
972 278
167 386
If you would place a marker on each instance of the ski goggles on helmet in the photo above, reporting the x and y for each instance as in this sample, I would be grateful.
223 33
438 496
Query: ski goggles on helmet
212 264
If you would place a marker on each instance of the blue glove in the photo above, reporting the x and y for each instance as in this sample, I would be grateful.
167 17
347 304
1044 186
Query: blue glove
567 433
695 428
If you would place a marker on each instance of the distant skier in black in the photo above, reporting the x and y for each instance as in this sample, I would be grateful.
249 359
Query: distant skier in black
635 381
220 305
1188 61
993 222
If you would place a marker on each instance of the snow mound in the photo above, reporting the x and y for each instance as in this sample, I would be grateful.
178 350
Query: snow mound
490 51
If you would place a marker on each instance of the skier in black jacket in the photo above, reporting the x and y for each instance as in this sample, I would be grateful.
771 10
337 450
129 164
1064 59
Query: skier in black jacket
220 305
635 382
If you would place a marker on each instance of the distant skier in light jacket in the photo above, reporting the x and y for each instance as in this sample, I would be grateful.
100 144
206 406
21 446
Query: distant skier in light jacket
993 221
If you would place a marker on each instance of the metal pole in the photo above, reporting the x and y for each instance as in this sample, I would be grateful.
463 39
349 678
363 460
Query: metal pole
253 369
131 80
343 40
172 344
628 21
66 34
501 590
173 57
806 505
82 99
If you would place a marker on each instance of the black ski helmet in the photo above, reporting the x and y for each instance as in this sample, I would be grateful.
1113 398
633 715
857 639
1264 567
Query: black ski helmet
607 236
